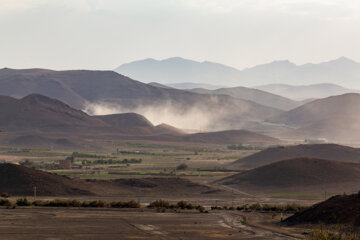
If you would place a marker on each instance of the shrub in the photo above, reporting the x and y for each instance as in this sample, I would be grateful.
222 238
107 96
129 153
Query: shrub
38 203
5 202
23 202
129 204
182 166
159 204
184 205
5 195
94 204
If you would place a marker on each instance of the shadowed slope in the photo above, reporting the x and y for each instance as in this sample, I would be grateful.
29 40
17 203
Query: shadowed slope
322 151
339 209
19 180
297 175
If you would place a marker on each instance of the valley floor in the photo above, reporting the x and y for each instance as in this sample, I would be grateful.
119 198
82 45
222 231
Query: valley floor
106 224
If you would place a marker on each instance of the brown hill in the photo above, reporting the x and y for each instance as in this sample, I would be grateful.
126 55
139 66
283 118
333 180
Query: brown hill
18 180
129 123
167 129
82 89
298 174
39 112
336 118
36 113
136 124
340 209
20 83
322 151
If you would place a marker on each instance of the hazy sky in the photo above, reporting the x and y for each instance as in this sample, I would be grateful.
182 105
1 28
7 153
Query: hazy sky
102 34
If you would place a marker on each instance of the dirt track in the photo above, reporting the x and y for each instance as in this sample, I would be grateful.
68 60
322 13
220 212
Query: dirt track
106 224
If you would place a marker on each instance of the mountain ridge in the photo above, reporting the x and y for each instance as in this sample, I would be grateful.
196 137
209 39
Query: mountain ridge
341 71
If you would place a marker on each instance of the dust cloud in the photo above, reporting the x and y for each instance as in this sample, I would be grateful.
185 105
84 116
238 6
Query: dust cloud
196 117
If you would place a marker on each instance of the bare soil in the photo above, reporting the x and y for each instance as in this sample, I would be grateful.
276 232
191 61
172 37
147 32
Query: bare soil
108 224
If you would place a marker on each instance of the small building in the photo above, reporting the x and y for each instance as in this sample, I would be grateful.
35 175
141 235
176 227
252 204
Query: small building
65 164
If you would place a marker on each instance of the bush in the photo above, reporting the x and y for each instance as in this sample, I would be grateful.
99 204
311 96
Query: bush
5 195
5 202
129 204
182 166
185 205
159 204
271 208
23 202
94 204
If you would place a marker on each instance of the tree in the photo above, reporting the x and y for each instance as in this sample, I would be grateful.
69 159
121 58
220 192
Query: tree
182 166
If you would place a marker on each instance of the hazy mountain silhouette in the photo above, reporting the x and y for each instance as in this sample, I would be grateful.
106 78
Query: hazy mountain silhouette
342 71
178 70
306 91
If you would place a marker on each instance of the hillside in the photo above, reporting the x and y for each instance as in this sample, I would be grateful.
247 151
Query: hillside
36 113
19 180
29 118
136 124
107 92
155 84
298 174
322 151
258 96
23 82
341 71
336 118
302 92
39 112
340 209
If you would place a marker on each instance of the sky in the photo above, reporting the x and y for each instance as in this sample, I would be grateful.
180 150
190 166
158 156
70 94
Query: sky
103 34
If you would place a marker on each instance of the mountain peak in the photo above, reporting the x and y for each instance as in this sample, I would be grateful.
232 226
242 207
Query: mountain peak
342 60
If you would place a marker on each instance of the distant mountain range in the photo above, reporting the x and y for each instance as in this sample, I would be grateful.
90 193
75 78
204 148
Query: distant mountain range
306 91
341 71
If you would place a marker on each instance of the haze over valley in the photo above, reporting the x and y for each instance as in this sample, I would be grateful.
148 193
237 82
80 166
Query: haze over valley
181 119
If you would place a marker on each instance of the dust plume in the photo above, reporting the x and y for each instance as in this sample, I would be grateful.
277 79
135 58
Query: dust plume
195 117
